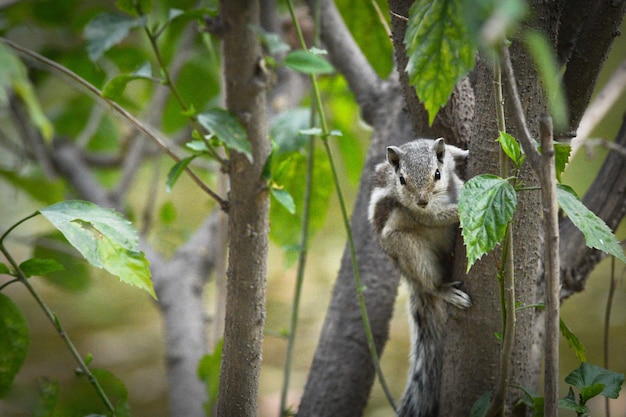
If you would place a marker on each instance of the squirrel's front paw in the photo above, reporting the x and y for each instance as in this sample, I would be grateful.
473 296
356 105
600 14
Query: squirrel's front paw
456 297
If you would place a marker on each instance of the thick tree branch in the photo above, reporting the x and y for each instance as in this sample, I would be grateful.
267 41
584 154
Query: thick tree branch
348 58
587 33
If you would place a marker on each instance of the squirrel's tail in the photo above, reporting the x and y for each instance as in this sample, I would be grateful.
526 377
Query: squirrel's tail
421 395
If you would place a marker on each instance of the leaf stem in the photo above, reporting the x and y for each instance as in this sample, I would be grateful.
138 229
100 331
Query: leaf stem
346 221
54 319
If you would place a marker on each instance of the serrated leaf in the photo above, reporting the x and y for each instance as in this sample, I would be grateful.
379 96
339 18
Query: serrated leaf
573 341
284 198
561 157
511 148
440 50
209 372
487 204
546 63
588 375
14 341
597 233
227 129
106 30
308 63
115 87
4 269
104 238
40 267
175 172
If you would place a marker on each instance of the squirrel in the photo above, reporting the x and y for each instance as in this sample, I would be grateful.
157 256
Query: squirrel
413 210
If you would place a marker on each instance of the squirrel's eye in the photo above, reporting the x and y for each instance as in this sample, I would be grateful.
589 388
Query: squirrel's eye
437 175
402 180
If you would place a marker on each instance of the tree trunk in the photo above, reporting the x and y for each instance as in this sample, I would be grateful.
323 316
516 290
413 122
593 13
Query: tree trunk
245 82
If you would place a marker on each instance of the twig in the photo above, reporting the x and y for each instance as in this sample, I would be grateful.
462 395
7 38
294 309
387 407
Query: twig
148 131
525 138
547 176
506 275
53 318
355 267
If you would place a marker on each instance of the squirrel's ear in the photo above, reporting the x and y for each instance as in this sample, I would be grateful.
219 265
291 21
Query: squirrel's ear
440 148
457 153
393 156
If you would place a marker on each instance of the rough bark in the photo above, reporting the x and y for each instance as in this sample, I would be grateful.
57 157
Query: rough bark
471 349
587 31
245 84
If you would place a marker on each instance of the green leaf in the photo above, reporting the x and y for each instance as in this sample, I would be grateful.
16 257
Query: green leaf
115 389
36 186
209 373
4 269
569 403
481 406
76 275
176 170
561 157
440 50
104 238
588 375
168 213
597 233
308 63
40 267
14 341
227 129
286 129
107 30
548 69
486 206
587 393
48 399
13 76
198 146
115 87
289 170
573 341
284 198
511 148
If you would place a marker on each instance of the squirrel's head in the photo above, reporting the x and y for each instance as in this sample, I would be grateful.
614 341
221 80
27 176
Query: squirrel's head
424 171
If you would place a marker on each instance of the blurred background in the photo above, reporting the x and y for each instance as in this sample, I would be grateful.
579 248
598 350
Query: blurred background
119 325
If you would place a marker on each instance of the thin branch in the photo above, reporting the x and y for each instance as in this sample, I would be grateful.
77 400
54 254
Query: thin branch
525 138
148 131
547 176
